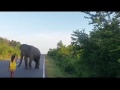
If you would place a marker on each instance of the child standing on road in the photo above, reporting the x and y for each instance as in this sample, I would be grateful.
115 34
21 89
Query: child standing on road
12 65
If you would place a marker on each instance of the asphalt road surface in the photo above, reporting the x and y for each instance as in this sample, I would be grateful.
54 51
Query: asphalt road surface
21 72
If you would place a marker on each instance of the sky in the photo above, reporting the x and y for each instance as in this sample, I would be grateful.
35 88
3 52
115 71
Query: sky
42 29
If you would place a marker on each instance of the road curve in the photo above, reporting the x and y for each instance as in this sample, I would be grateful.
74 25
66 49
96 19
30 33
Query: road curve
23 73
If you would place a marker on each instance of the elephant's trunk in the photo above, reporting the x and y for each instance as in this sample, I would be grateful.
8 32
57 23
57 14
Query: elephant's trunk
20 60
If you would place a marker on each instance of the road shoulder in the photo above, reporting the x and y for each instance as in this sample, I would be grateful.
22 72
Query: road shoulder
52 70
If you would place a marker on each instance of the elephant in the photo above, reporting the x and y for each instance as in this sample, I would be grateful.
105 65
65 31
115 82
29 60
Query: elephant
31 52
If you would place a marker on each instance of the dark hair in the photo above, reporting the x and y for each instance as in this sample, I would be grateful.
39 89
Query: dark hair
13 57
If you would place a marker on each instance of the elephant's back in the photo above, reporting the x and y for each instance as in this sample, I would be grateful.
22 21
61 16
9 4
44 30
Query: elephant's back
35 51
31 50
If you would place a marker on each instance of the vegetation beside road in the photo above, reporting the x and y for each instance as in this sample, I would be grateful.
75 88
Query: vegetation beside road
52 71
7 48
95 54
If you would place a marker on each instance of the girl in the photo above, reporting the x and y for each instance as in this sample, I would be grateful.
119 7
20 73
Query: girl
12 65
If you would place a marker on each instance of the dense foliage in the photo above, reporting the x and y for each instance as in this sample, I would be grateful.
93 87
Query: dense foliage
93 55
7 48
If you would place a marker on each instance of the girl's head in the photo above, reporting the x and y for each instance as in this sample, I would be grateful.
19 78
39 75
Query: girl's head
13 57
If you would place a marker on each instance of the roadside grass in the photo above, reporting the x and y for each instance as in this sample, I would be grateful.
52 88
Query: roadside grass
5 59
52 71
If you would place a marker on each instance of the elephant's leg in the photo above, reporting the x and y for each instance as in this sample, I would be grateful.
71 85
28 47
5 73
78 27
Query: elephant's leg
26 63
37 62
36 65
30 62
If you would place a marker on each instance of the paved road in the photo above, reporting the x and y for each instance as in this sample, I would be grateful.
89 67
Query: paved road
23 73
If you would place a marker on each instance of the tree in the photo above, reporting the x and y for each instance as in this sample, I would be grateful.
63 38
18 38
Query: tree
59 44
7 48
101 60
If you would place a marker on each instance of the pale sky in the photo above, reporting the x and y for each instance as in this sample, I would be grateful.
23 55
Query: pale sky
42 29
